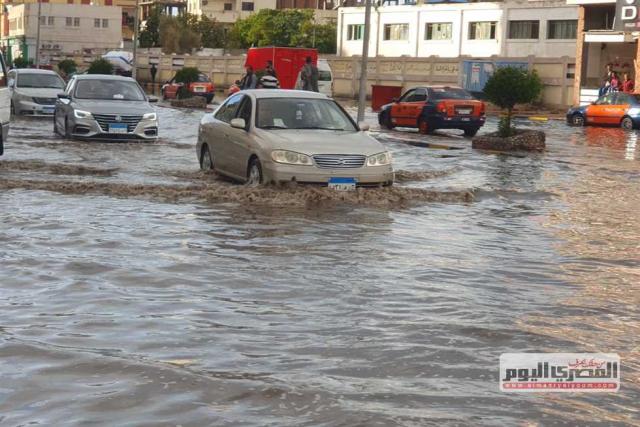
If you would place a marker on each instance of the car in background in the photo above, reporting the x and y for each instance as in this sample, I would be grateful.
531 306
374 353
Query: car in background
435 107
280 136
202 87
34 92
99 106
612 109
5 103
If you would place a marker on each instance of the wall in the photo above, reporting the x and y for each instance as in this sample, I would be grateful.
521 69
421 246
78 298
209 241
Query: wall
460 15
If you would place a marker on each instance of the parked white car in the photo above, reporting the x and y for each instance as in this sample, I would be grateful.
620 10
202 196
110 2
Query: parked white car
34 92
277 136
5 104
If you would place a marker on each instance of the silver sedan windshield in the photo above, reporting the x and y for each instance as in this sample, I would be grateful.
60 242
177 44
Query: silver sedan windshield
116 90
36 80
302 113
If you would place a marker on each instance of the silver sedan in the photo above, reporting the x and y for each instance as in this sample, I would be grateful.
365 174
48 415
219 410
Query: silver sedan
34 92
105 107
278 136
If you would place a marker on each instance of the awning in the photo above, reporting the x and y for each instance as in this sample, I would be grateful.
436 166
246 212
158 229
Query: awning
608 37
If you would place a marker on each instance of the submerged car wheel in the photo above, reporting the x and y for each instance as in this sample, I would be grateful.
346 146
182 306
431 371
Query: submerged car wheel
627 123
386 121
254 173
423 127
577 120
471 131
67 131
206 160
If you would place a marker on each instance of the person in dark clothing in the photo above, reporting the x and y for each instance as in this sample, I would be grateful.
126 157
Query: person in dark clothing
269 70
249 80
153 71
606 81
309 76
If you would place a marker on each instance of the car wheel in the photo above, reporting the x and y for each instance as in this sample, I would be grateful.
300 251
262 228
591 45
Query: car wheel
577 120
627 123
254 173
206 159
209 99
13 109
55 125
423 127
387 121
471 131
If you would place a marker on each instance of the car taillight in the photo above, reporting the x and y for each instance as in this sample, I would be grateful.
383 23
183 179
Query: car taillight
482 109
441 107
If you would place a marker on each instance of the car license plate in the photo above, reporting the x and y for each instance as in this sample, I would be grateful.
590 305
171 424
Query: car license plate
199 89
465 119
47 110
342 184
117 128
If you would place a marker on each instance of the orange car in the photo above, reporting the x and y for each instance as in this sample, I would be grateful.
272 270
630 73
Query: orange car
435 107
202 87
614 109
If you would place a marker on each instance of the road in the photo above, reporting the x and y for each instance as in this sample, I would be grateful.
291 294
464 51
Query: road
136 290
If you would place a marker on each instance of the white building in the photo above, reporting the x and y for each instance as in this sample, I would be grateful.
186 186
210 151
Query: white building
64 28
513 28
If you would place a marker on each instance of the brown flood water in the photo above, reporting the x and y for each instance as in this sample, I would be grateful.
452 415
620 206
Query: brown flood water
136 290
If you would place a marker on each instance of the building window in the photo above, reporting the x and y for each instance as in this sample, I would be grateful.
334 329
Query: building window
105 23
108 2
69 22
51 21
43 20
438 31
76 22
482 30
524 29
396 32
564 29
69 1
96 23
355 32
228 6
247 6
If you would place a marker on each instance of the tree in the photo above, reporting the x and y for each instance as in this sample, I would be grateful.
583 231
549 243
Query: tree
100 66
211 32
186 76
150 36
67 66
271 27
509 86
177 34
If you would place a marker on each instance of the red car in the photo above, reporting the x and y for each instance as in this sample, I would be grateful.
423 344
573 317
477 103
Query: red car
202 87
435 107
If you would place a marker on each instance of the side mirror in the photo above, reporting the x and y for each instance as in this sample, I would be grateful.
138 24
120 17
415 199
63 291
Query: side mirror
153 99
64 96
364 126
238 123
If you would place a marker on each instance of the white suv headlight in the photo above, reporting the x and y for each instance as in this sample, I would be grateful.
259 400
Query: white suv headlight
150 116
79 114
380 159
291 158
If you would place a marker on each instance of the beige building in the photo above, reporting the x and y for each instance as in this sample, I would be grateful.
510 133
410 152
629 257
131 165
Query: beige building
64 29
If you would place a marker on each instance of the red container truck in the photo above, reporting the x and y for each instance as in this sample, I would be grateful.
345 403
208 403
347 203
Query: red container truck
287 61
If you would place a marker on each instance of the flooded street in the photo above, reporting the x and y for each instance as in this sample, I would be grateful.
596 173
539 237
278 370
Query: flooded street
136 290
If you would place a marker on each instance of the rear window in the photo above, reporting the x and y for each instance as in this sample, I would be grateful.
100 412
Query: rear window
324 76
449 93
203 78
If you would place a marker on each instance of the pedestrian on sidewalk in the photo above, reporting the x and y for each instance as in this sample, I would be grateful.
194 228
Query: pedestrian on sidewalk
249 80
309 76
153 71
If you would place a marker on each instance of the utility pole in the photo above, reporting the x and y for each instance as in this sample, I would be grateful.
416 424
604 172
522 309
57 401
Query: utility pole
38 35
362 99
136 19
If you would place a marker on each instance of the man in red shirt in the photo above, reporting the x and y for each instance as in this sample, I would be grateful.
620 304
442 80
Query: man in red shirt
627 84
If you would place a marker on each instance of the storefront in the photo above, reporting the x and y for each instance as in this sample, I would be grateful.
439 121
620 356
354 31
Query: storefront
608 33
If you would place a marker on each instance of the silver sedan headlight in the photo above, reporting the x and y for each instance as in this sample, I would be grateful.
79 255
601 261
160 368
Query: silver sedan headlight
79 114
290 158
380 159
150 116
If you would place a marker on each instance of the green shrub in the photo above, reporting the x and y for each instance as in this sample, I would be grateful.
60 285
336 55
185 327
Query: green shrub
21 62
187 75
509 86
100 66
67 66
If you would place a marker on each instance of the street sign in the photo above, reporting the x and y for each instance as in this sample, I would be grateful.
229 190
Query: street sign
627 15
